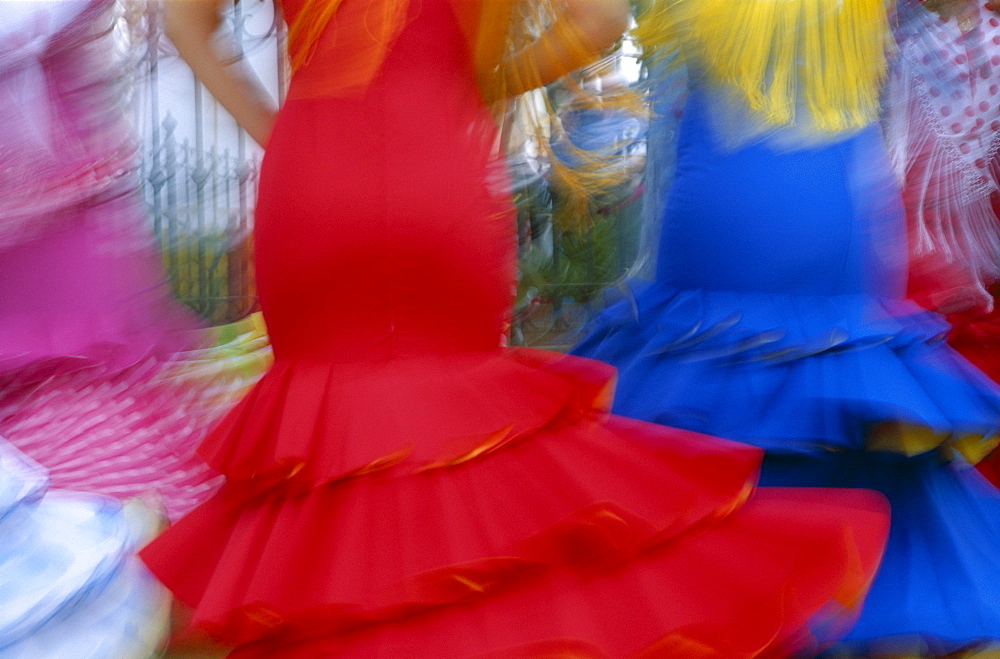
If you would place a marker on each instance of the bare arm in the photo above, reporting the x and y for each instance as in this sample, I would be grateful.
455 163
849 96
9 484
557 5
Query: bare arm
582 29
191 25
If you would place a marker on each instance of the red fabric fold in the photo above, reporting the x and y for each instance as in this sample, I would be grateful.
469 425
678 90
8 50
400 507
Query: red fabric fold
977 337
388 544
314 423
756 585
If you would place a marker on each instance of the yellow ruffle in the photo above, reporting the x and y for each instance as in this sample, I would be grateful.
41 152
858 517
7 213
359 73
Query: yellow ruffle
911 440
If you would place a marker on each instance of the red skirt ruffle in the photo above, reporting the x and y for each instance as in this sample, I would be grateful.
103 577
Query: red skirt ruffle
977 337
460 506
764 582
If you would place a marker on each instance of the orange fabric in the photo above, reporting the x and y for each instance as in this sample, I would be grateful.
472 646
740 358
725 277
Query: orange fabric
363 31
356 34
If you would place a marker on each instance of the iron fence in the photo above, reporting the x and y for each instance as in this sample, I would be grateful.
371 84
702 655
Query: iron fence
199 170
201 204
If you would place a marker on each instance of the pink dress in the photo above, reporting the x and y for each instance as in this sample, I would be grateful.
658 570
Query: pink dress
96 359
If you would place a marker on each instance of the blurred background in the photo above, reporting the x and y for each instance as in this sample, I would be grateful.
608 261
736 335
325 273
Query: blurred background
199 174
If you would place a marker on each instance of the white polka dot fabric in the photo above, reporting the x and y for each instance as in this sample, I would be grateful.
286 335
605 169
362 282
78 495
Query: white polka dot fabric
961 73
942 124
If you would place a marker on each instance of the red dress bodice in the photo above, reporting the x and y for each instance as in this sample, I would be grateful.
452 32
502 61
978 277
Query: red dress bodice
383 226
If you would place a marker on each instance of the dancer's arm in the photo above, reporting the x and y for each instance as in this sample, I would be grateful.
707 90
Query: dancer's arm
191 25
581 30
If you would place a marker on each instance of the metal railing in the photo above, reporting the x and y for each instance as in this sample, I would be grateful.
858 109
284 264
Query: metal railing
201 204
198 170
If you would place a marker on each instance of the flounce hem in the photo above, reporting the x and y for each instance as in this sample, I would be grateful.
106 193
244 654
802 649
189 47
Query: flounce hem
806 373
666 603
307 424
940 552
378 498
395 543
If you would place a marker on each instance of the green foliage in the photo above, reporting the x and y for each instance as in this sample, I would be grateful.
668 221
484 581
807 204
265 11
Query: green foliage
574 266
212 275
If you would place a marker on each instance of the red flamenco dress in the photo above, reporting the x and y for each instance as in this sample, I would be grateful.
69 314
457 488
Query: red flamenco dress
401 485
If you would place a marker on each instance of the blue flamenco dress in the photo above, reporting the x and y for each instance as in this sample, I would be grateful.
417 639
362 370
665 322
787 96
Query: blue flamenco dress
776 317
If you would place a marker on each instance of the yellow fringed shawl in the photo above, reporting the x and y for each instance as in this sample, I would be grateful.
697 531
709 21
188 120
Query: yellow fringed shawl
828 56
